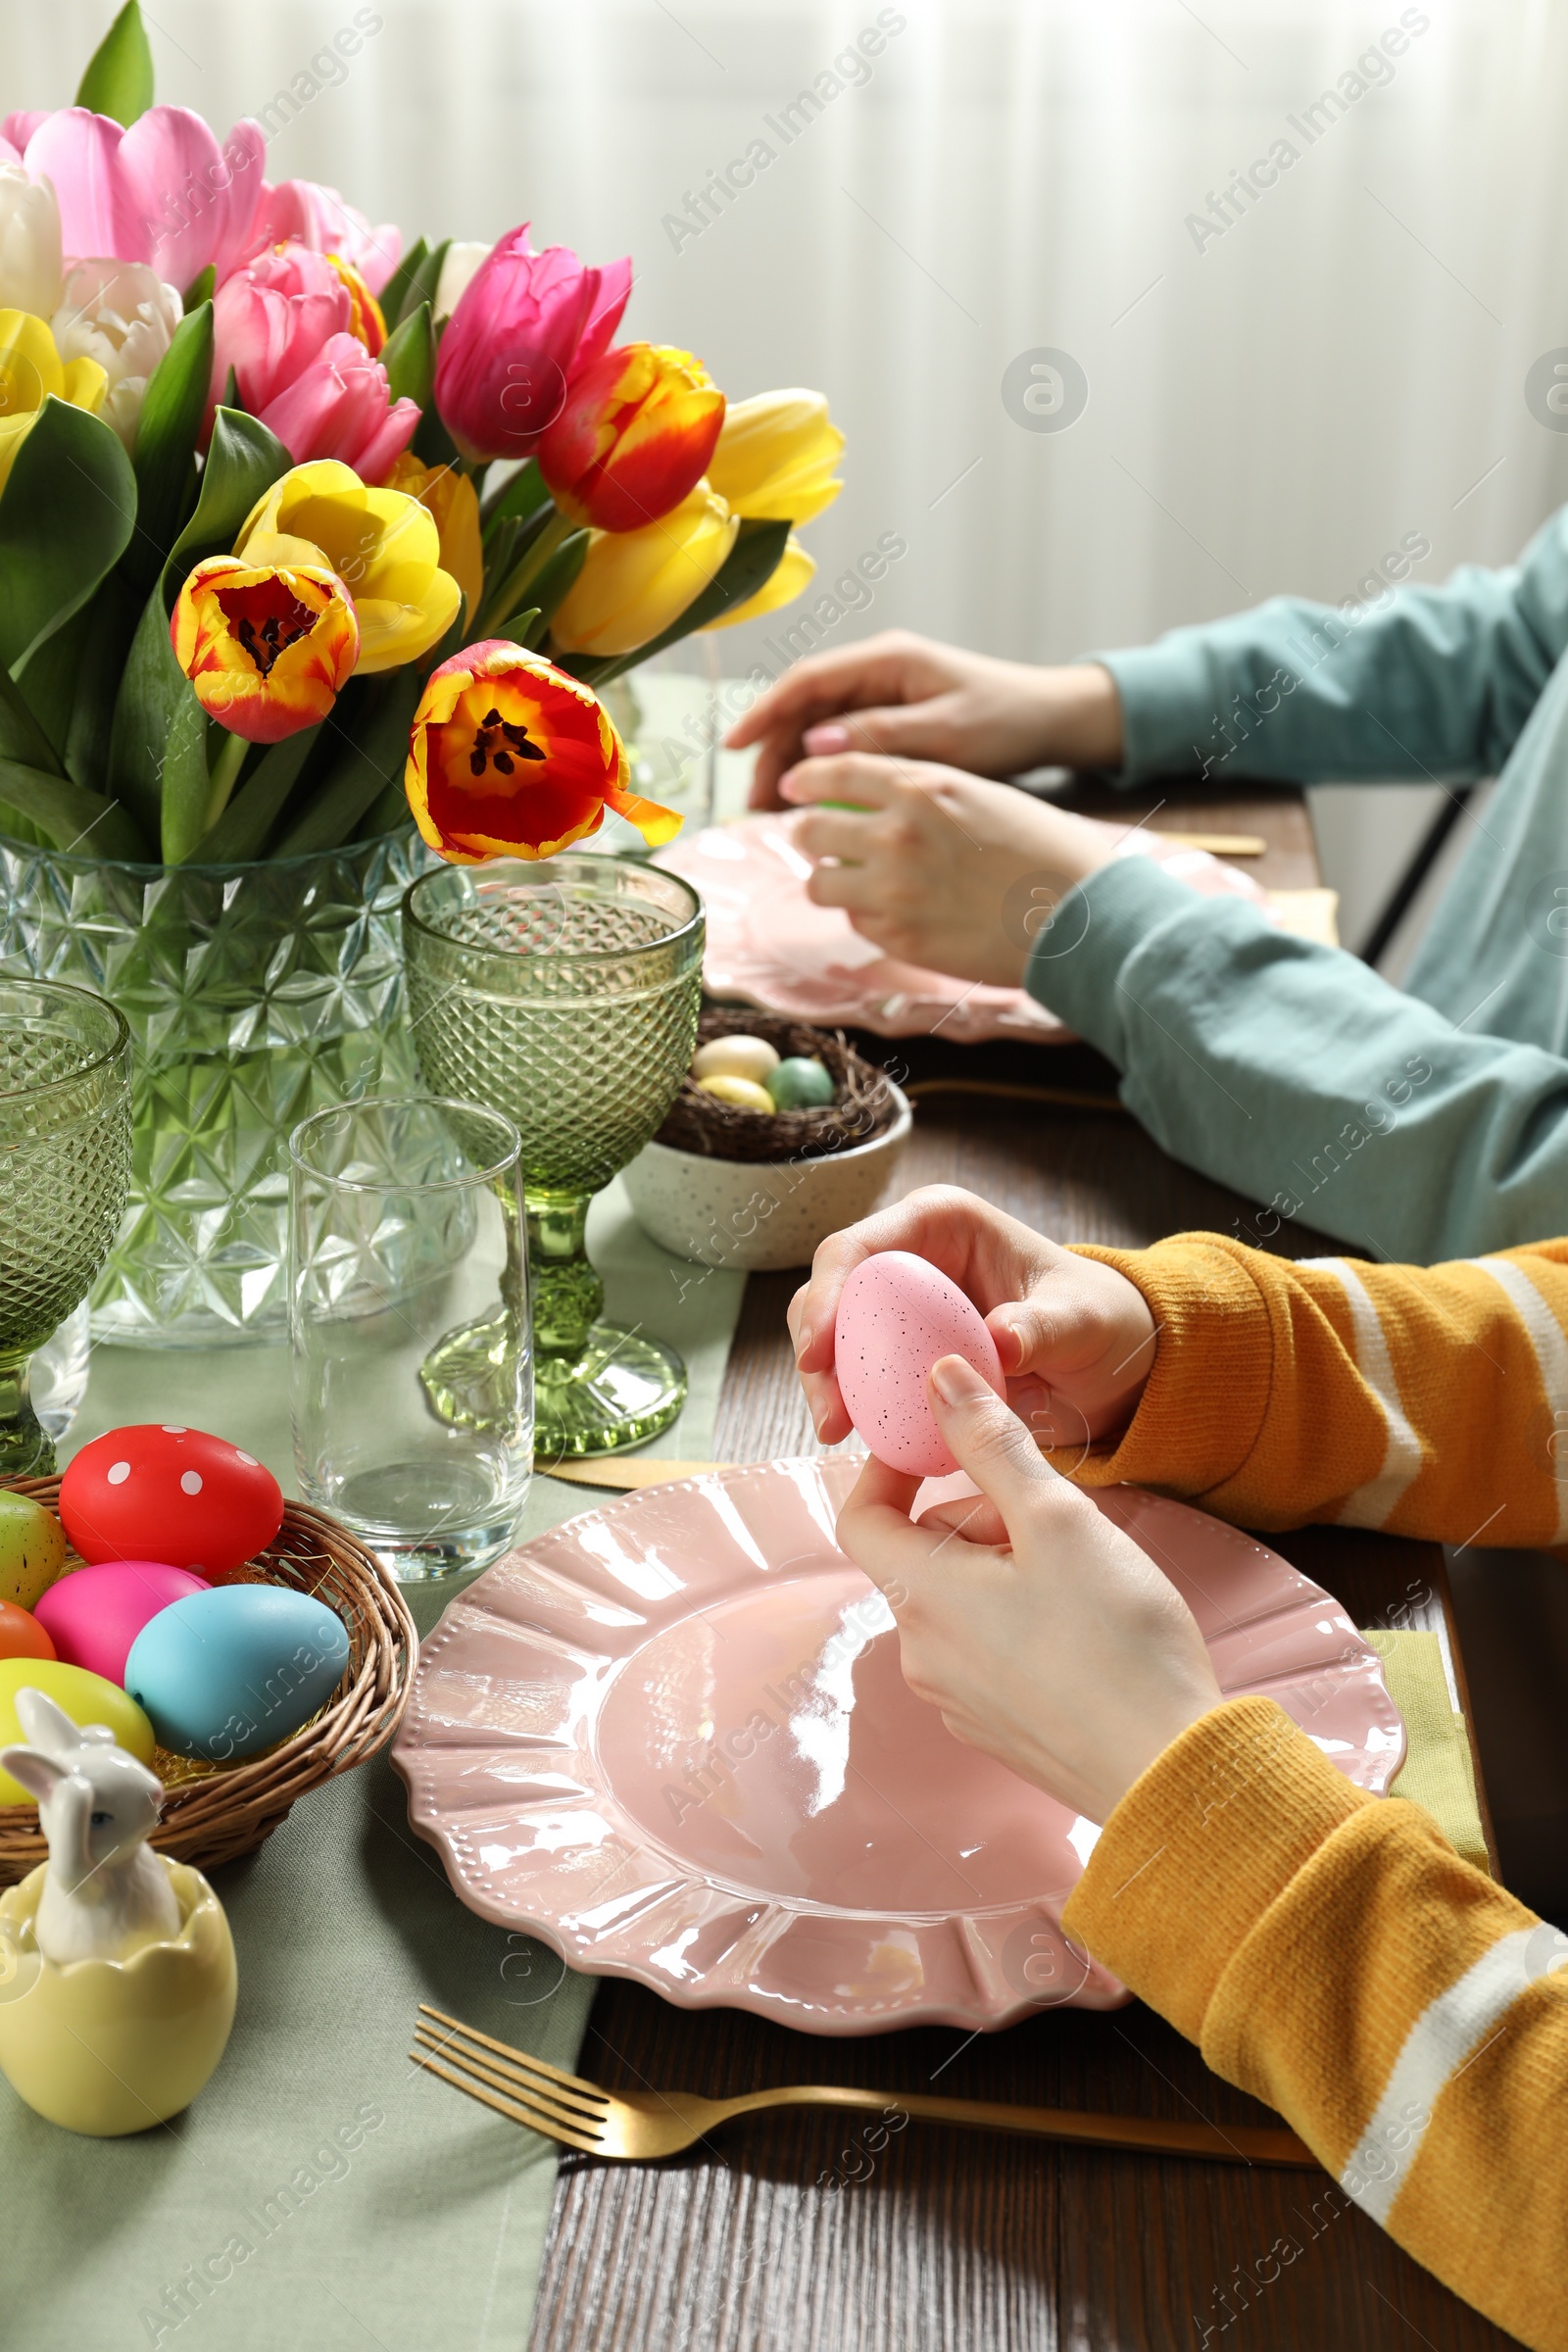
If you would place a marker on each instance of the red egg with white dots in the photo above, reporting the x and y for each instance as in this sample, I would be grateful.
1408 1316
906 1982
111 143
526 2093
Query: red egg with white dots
164 1491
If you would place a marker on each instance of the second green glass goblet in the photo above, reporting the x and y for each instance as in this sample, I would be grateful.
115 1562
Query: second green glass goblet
65 1172
565 995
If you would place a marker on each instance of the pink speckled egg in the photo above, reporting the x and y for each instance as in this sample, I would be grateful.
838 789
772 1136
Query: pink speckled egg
162 1491
897 1315
94 1615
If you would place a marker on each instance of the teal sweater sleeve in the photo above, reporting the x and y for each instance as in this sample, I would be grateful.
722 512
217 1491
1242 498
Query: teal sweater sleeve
1429 682
1295 1074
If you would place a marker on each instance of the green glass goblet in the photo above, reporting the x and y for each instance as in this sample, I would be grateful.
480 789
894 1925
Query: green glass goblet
64 1172
565 995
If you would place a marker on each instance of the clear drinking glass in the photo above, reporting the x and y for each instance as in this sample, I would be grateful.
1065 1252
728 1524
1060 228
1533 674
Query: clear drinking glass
65 1174
563 993
404 1220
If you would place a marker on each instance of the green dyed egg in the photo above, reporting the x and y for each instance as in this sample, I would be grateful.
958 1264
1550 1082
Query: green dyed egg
799 1083
33 1550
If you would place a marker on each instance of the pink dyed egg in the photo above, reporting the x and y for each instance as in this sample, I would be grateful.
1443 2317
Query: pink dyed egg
162 1492
897 1315
95 1614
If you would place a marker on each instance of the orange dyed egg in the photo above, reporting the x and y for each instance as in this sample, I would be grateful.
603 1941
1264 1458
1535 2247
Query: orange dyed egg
21 1634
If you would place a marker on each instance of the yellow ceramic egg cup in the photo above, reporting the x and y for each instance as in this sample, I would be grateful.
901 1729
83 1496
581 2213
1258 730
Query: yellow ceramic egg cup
109 2046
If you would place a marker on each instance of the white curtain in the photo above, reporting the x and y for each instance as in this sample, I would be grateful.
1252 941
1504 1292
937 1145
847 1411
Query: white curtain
1277 406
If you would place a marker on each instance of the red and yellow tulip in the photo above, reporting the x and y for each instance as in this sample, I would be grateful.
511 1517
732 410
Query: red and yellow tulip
509 758
269 647
634 436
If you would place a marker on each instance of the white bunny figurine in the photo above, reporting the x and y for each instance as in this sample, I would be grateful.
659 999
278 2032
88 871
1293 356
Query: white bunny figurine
105 1892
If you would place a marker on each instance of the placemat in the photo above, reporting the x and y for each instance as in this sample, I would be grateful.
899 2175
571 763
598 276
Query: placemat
323 2191
1437 1771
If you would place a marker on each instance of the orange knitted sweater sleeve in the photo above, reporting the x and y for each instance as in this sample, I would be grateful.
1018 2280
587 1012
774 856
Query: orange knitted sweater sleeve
1428 1402
1331 1954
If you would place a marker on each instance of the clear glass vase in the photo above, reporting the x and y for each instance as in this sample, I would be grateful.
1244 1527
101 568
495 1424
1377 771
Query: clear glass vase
256 994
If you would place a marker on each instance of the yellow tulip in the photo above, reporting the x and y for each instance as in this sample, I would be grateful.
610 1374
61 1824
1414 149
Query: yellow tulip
633 584
381 544
453 499
775 458
30 370
783 584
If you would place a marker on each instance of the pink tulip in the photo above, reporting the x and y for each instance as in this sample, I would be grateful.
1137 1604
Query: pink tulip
302 212
272 318
17 130
341 406
162 192
526 324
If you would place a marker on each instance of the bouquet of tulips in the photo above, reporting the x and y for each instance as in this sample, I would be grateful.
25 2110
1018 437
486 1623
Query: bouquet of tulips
301 530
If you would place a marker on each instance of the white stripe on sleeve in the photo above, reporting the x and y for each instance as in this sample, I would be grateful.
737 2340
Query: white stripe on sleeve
1439 2045
1371 1504
1550 1349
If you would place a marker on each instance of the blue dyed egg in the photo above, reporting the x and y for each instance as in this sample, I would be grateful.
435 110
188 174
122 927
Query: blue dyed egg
226 1673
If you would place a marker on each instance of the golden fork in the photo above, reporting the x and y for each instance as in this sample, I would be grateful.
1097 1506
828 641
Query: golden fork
636 2126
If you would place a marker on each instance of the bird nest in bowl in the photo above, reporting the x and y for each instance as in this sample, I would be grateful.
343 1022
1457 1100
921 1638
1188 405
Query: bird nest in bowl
864 1107
215 1813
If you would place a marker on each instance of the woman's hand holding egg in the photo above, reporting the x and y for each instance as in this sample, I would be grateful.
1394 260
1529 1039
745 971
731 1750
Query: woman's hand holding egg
1043 1634
1075 1339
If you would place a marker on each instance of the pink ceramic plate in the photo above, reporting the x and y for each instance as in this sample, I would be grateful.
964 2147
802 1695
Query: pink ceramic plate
770 946
672 1739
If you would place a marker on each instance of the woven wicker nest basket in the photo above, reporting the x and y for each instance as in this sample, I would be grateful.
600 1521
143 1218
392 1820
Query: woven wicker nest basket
214 1814
865 1108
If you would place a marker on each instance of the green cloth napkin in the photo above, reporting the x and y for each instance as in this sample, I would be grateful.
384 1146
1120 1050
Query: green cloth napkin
1437 1772
321 2190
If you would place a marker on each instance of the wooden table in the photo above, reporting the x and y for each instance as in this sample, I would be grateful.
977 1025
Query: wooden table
791 2235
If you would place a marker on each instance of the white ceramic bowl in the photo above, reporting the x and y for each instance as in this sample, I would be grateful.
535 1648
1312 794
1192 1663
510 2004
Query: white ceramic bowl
759 1215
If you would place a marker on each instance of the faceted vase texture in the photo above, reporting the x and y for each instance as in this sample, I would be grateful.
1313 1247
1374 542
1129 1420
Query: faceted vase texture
256 994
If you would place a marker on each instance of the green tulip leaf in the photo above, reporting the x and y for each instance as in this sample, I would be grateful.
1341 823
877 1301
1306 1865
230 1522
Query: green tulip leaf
243 462
155 697
22 734
67 514
108 625
522 494
240 834
422 280
166 446
548 591
119 81
68 816
394 295
185 784
751 561
201 289
409 358
368 763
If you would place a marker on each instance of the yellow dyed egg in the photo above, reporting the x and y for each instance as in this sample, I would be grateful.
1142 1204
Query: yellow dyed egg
735 1058
86 1698
744 1092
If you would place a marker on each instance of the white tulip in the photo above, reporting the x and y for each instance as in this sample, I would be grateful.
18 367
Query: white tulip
30 243
462 260
122 315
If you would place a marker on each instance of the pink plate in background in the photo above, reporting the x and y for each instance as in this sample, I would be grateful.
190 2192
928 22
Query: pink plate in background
770 945
671 1738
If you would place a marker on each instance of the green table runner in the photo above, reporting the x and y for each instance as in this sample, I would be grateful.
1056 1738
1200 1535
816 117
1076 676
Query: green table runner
321 2191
